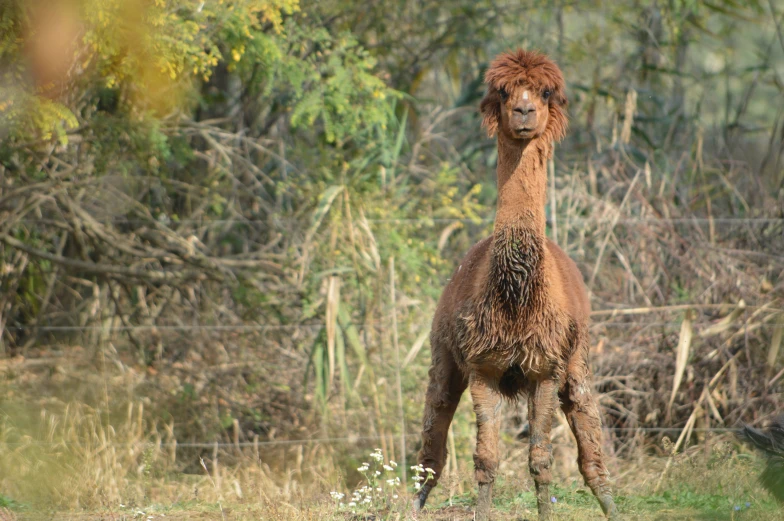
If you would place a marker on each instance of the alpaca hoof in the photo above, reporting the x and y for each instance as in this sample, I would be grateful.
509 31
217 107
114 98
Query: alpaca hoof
483 502
482 514
421 498
545 513
543 502
608 507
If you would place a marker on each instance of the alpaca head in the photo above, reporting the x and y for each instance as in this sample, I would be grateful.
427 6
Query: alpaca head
525 97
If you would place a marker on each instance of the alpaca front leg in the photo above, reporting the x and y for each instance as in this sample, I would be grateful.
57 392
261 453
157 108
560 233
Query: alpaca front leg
444 390
542 402
487 406
586 424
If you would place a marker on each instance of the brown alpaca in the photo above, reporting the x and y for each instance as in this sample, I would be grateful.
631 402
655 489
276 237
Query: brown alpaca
513 319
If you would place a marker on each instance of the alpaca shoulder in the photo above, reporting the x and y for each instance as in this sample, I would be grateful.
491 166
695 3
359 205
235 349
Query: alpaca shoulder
567 282
470 277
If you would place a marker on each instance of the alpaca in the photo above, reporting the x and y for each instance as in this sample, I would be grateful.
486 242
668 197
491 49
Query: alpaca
513 318
772 444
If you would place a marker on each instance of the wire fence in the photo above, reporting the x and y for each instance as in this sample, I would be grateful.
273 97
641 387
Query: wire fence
319 326
121 329
344 439
445 220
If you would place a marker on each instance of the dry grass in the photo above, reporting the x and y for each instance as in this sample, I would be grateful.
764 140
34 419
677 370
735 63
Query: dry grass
71 461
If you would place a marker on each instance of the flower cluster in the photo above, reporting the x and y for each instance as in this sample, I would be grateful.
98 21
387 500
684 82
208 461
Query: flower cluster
380 487
422 475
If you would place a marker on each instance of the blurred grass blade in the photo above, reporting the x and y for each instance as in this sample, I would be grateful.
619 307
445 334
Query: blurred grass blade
340 355
326 199
775 346
681 356
726 322
318 365
401 134
628 116
685 434
351 334
333 305
416 346
713 409
373 247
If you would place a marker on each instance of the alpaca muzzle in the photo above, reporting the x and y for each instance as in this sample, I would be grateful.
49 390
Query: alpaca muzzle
524 118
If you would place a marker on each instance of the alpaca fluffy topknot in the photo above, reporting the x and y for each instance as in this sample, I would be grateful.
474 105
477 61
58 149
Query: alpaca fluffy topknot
515 68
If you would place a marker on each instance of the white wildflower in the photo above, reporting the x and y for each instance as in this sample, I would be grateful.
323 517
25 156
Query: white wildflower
377 455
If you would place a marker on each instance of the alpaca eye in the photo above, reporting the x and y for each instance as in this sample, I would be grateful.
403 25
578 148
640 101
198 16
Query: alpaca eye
504 94
546 94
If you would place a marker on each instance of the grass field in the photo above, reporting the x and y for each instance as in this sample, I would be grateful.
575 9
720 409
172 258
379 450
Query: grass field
717 484
573 504
74 462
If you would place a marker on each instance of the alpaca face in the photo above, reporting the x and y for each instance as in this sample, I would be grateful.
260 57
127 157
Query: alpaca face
525 97
524 111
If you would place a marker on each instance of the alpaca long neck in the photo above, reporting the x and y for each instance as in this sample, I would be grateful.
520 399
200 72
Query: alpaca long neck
522 185
518 239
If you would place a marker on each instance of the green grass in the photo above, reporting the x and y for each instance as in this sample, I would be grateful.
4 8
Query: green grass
578 503
573 504
6 502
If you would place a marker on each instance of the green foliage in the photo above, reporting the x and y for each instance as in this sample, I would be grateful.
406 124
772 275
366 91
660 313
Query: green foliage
6 502
154 55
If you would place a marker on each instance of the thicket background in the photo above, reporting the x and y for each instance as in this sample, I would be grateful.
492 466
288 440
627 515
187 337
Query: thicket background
231 220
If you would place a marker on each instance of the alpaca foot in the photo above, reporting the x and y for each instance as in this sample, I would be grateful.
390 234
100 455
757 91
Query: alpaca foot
544 502
421 497
483 502
608 507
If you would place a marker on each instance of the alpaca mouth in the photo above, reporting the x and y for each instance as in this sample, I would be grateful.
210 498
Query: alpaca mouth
525 130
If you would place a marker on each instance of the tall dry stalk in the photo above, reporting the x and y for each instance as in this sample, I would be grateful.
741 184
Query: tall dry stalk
398 382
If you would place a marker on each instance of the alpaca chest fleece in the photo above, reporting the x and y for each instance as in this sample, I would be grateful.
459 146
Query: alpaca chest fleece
512 324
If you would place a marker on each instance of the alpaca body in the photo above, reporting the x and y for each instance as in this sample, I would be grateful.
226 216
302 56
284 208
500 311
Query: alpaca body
513 319
496 313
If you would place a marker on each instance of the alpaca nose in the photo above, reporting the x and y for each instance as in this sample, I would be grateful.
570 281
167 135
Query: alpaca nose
525 109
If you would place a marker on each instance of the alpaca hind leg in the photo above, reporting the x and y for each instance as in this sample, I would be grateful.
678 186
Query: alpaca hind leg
542 402
444 390
583 416
487 406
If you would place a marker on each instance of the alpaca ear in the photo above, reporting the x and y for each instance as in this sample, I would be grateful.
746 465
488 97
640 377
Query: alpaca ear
491 111
559 121
560 98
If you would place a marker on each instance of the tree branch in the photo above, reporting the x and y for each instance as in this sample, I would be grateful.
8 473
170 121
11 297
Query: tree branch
105 269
